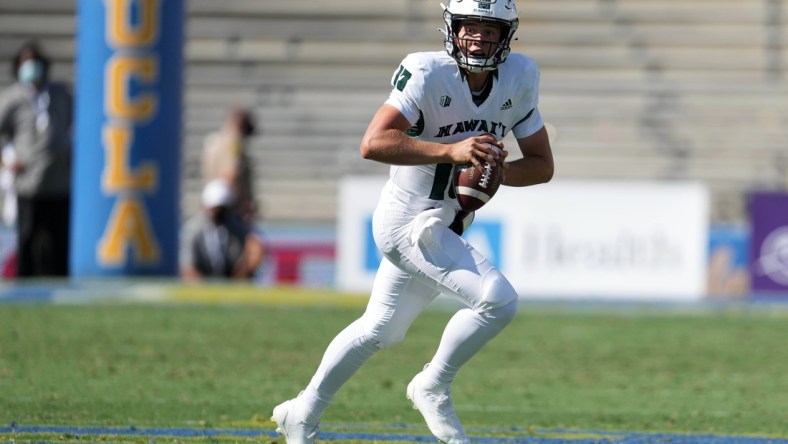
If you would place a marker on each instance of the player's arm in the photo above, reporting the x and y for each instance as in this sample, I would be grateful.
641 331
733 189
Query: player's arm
386 141
536 165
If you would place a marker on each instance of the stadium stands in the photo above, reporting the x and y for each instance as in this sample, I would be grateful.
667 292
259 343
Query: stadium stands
640 89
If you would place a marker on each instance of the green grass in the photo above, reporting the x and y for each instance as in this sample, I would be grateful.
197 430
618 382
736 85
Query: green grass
228 365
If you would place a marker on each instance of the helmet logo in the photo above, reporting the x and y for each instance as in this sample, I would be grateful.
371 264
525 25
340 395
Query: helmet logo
484 5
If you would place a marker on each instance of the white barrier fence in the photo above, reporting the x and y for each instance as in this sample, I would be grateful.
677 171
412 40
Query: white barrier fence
616 240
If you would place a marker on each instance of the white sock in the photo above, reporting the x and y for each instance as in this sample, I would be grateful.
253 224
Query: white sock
349 350
465 334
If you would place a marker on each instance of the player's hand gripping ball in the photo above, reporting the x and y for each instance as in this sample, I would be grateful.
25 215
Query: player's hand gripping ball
475 186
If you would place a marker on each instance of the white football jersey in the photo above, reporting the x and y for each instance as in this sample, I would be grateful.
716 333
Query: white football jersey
431 92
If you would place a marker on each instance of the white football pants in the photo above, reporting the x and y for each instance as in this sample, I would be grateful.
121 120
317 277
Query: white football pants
422 259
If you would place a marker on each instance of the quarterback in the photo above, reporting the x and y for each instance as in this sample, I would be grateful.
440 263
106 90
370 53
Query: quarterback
446 108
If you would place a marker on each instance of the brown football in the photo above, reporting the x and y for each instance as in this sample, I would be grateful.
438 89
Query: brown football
475 186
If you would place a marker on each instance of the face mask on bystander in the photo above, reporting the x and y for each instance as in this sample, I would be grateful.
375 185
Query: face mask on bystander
31 72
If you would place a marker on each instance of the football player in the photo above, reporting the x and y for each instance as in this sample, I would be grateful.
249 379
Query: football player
444 109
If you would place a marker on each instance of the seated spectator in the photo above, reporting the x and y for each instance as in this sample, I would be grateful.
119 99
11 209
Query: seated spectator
217 243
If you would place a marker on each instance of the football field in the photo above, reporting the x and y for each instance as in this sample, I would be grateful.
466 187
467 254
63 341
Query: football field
207 364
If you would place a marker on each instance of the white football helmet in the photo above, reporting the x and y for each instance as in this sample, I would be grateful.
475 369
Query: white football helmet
502 12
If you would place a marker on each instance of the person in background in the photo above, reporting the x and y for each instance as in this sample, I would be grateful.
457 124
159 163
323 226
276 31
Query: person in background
225 157
36 119
217 243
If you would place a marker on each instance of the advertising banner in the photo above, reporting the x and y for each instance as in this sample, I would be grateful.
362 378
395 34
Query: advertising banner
729 261
769 242
126 199
566 239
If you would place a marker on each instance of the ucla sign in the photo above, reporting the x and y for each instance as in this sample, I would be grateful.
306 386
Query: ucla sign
127 141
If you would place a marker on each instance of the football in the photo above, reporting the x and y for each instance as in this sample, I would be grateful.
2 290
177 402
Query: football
475 186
